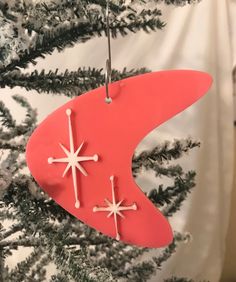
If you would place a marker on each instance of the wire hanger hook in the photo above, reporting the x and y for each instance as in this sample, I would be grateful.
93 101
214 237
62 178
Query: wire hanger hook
108 61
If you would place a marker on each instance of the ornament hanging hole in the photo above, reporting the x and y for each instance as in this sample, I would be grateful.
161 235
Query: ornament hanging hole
108 100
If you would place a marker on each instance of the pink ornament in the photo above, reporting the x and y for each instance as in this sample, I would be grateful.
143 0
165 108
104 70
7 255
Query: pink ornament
81 154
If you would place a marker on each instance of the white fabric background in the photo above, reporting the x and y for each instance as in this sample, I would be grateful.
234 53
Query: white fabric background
197 37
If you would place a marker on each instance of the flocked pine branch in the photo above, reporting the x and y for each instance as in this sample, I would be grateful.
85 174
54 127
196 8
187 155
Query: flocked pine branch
52 237
144 270
176 279
39 15
25 128
16 274
177 2
185 186
71 32
6 117
5 214
38 270
169 195
165 152
33 29
69 83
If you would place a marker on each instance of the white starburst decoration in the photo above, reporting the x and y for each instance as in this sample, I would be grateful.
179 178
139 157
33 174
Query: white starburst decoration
73 159
114 208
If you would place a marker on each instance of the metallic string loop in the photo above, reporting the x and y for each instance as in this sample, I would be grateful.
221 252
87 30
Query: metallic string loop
108 61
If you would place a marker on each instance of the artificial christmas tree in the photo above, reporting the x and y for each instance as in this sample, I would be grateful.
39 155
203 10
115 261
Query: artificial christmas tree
30 30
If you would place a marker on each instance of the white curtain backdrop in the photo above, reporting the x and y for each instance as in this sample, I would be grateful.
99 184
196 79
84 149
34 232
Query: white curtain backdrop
197 37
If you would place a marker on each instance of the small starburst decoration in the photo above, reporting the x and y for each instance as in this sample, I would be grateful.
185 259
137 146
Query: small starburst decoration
73 159
114 208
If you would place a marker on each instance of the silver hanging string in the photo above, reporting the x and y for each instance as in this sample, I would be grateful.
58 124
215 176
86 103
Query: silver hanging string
108 61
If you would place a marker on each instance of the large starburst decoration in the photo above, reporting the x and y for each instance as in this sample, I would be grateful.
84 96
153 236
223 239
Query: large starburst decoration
115 208
73 159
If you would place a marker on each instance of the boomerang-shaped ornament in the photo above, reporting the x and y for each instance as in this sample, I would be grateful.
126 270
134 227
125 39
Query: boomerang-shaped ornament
81 155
